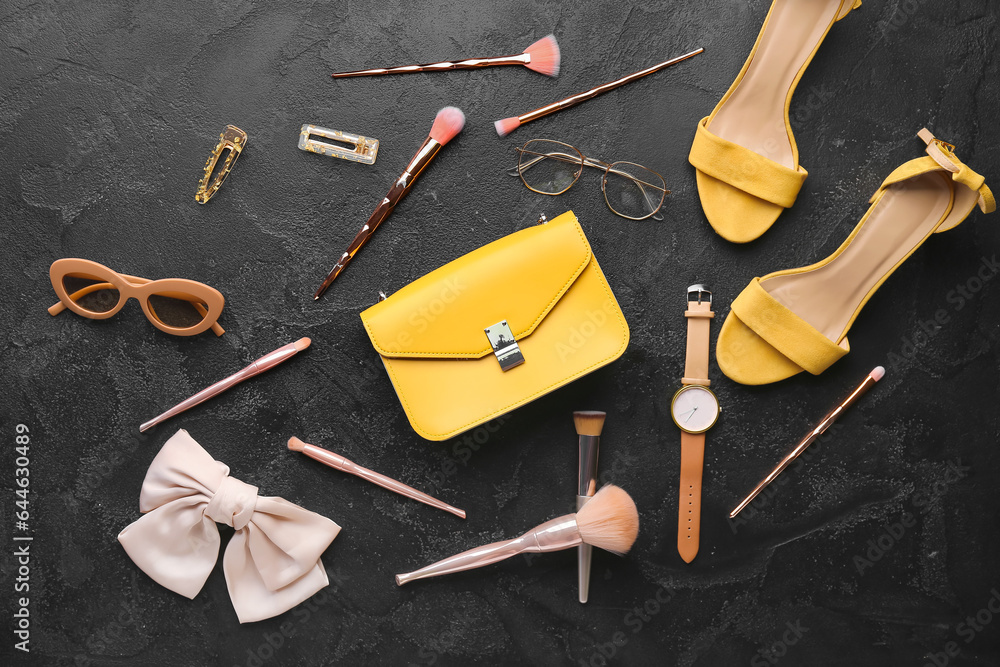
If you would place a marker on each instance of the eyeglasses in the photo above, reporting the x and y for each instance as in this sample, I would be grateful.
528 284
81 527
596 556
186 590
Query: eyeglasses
552 167
174 305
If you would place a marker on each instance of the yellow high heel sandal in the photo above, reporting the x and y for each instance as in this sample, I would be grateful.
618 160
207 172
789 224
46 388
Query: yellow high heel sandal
798 319
745 154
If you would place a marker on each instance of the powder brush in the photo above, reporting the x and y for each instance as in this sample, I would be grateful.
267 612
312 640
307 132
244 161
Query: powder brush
542 56
609 521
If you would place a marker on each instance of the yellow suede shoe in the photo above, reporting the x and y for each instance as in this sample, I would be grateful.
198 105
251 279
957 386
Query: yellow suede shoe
798 319
745 154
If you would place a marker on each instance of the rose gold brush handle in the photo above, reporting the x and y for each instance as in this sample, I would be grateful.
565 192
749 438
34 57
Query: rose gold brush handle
397 486
470 63
344 464
594 92
555 535
424 155
268 361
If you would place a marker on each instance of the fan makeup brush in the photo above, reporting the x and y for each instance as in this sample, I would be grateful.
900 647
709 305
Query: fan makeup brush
609 521
589 425
542 56
508 125
448 122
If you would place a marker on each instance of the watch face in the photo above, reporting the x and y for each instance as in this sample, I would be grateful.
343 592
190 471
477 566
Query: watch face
694 408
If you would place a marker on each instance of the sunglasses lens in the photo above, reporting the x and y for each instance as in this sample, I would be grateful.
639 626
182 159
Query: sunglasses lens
633 191
181 311
91 293
549 167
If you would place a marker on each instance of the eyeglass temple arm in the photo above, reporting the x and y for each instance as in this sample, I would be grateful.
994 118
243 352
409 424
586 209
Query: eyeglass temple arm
59 307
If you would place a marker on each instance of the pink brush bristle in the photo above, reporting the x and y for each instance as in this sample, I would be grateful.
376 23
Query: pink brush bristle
609 520
544 56
507 125
448 122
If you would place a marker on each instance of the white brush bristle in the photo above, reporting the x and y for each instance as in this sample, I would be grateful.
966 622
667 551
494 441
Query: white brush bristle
544 56
878 373
448 122
507 125
609 520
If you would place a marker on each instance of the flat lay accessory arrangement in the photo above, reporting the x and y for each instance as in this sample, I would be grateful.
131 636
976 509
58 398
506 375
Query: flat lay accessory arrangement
527 314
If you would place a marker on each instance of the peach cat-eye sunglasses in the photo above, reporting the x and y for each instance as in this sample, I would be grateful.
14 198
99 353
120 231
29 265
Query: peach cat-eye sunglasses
174 305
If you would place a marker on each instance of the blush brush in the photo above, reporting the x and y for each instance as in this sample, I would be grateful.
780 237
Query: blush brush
542 57
448 122
609 521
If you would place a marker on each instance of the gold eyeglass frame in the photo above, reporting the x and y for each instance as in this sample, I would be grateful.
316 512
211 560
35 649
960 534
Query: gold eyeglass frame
580 159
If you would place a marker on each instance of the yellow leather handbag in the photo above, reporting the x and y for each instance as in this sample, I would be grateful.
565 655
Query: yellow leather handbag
497 328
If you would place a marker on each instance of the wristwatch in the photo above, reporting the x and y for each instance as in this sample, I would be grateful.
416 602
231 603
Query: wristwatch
695 409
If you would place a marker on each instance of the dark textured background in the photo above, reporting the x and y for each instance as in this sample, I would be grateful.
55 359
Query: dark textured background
107 113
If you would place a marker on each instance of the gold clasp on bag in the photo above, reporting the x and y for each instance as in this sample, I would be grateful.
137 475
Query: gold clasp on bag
504 345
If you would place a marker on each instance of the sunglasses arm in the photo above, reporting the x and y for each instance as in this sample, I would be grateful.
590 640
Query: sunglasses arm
75 296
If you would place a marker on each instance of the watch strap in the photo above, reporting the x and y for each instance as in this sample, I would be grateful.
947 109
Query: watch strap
689 513
699 317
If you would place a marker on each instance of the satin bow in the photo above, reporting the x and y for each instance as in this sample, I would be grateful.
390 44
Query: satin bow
272 562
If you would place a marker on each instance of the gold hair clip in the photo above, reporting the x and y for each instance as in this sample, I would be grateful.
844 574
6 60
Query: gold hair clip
235 140
360 149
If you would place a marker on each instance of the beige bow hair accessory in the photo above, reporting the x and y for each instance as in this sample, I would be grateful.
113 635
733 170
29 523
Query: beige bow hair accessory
272 562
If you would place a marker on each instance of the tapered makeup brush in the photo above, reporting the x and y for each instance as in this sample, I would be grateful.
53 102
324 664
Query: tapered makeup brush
448 122
508 125
609 521
589 425
877 374
268 361
542 56
344 464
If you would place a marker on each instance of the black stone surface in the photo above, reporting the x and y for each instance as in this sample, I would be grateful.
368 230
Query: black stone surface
107 113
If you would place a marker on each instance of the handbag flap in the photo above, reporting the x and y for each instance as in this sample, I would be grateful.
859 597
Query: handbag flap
517 279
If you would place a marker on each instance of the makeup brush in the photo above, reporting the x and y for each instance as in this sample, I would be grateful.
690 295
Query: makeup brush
589 425
609 521
508 125
268 361
877 373
344 464
448 122
542 56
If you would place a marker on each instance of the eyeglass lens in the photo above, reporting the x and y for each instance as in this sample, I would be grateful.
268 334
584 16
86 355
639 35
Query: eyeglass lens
91 293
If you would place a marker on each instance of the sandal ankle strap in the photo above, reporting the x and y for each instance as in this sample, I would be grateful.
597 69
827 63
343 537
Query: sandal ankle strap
944 154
